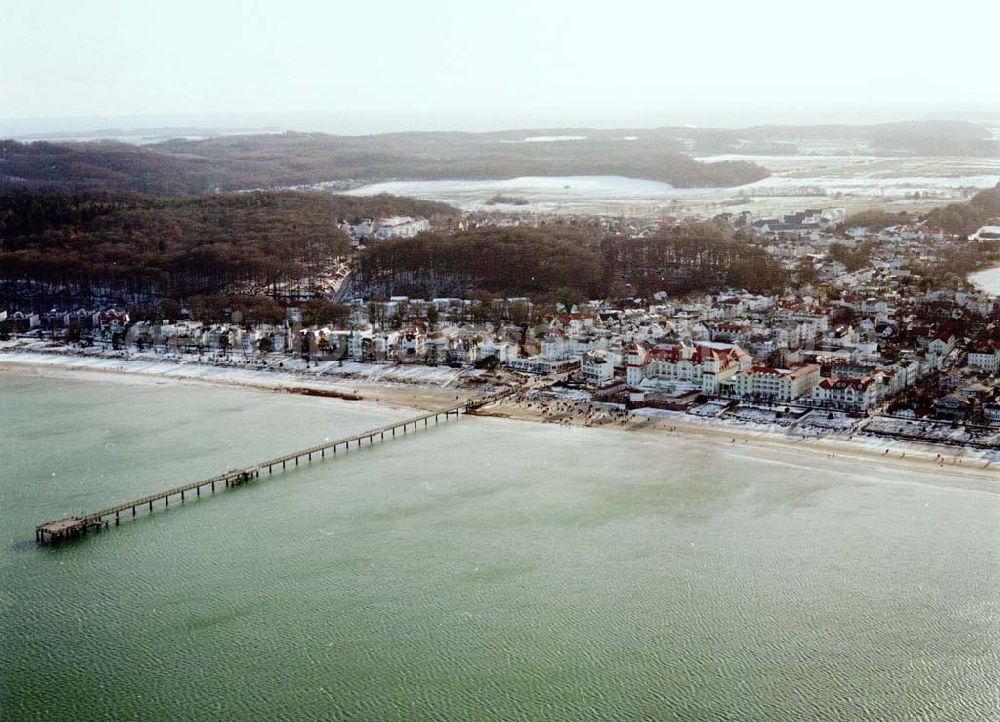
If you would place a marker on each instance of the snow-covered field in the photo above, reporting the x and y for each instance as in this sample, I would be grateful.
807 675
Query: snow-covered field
545 194
796 182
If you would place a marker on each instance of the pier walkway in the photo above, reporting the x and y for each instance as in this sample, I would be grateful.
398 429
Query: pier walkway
75 526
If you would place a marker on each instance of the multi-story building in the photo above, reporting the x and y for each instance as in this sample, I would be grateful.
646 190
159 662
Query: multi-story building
847 394
764 382
703 364
986 356
596 369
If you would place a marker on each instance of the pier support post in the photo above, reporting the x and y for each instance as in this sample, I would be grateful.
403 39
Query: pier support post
133 511
182 496
117 519
150 506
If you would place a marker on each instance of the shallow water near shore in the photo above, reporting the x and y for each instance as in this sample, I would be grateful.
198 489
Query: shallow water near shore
484 569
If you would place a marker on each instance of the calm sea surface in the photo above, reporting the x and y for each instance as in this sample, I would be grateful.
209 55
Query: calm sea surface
486 570
987 279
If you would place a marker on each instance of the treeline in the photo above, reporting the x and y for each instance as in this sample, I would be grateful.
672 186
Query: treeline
552 263
875 218
539 262
356 208
299 158
693 258
955 218
177 248
966 218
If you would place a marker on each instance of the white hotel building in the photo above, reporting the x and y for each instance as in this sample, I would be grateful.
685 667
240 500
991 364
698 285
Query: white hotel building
764 382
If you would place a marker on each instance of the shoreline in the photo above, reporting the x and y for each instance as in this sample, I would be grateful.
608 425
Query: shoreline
61 365
954 462
989 281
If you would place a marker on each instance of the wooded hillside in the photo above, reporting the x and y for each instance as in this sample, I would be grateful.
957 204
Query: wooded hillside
179 247
541 262
696 257
230 163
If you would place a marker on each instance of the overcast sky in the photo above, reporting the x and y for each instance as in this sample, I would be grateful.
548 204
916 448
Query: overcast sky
381 65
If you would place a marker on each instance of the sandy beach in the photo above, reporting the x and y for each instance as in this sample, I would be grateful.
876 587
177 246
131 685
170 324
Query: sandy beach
410 396
955 463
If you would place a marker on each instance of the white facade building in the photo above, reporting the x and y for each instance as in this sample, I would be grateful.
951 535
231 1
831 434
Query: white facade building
764 382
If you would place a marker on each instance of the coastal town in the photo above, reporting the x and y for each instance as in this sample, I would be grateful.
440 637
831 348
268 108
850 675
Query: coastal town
545 361
866 345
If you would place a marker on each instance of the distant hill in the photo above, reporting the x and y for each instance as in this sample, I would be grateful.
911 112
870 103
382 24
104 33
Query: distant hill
269 161
911 138
100 165
229 163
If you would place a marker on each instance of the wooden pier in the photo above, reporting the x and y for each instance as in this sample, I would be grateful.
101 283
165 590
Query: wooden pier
72 527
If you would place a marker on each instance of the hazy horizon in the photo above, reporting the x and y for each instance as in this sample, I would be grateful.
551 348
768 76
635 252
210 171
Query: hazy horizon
441 65
30 128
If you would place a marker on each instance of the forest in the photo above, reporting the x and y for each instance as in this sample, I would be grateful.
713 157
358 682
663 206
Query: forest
695 257
554 262
226 246
179 247
545 262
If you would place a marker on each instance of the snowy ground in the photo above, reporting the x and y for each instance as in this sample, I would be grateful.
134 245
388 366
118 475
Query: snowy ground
932 431
710 410
853 182
829 421
753 415
289 371
815 427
